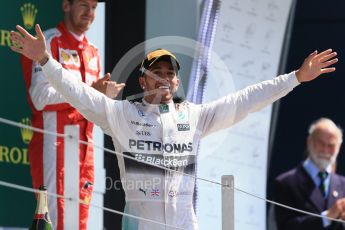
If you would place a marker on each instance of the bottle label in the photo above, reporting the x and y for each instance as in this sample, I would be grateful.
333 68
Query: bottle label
39 216
42 217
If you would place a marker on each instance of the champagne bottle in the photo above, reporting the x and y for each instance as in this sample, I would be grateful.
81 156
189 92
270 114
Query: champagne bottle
41 219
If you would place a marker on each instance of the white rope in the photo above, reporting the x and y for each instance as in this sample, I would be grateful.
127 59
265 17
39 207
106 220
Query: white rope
27 189
2 120
20 125
217 183
289 207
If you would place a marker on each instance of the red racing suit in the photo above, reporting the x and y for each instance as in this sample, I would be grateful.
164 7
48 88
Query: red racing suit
51 112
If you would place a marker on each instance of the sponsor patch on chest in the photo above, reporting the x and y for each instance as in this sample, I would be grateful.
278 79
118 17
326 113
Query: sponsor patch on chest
93 63
69 57
183 127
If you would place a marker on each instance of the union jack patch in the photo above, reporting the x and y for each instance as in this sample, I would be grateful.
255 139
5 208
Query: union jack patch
155 192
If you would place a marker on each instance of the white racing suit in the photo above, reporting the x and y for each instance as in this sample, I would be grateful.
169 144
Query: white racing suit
165 135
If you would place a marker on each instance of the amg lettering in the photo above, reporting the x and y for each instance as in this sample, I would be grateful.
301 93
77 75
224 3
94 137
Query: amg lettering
142 133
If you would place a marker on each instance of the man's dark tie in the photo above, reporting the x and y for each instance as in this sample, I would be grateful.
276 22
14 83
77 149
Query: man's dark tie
322 187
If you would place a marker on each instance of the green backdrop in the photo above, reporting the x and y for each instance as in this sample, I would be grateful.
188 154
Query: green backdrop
17 207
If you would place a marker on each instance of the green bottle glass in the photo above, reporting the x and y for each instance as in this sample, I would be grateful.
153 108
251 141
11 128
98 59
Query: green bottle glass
41 219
